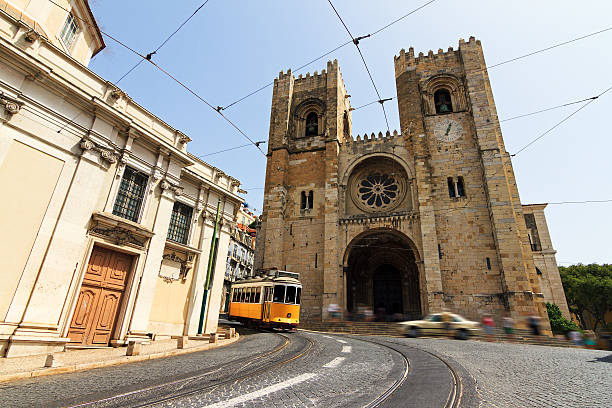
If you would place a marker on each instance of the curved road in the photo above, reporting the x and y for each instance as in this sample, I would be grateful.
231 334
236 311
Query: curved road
303 369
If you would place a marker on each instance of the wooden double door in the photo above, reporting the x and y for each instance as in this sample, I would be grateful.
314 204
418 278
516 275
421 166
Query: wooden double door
99 300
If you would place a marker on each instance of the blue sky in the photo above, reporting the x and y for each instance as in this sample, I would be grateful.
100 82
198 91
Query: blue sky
233 47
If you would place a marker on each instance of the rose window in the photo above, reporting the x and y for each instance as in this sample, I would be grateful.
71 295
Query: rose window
378 185
378 190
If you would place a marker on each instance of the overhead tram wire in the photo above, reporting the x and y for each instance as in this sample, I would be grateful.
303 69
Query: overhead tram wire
401 18
356 42
329 52
263 141
297 69
547 109
549 48
171 77
163 43
231 148
442 212
590 101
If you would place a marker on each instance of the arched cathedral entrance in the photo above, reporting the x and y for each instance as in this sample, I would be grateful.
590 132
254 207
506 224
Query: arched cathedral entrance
381 274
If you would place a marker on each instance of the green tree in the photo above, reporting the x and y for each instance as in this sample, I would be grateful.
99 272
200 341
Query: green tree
588 288
558 323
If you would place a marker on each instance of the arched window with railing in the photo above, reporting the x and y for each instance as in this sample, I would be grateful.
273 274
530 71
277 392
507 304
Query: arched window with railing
442 100
312 124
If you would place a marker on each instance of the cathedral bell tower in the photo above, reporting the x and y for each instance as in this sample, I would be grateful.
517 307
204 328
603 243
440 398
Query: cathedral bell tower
310 118
474 240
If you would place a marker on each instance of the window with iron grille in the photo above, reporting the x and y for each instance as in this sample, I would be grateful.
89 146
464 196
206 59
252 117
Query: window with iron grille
69 30
131 194
179 223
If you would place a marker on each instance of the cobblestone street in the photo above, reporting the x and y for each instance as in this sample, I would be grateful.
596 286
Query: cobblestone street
516 375
308 369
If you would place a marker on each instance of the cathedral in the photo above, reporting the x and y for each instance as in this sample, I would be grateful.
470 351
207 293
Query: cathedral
409 222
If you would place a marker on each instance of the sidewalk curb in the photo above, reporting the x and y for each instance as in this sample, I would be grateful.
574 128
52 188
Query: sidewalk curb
117 361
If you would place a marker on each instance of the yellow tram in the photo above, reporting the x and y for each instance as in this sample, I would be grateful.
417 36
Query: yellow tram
271 300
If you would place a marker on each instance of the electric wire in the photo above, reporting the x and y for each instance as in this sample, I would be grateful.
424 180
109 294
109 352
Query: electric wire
296 70
329 52
590 100
548 109
401 18
356 42
261 142
183 85
549 48
228 149
164 42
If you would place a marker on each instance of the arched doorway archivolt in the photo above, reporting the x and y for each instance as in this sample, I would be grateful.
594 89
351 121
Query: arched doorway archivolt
382 274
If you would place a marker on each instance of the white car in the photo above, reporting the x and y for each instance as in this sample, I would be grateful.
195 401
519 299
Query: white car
434 325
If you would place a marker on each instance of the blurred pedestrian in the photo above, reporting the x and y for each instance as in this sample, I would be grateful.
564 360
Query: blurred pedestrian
334 311
576 337
488 325
508 324
589 339
534 324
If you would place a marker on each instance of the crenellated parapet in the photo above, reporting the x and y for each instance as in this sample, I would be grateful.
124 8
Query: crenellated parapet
374 138
443 59
374 142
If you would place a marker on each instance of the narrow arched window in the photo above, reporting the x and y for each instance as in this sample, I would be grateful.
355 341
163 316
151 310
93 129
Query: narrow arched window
303 202
442 99
451 187
345 125
310 199
460 187
312 124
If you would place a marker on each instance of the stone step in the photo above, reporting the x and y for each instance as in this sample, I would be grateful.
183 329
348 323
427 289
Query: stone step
393 329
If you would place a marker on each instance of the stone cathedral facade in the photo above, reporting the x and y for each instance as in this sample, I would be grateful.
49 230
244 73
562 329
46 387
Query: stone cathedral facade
412 222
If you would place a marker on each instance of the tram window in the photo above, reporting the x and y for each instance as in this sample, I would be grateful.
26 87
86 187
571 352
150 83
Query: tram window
268 297
233 295
252 295
249 295
257 294
279 293
298 296
242 294
290 295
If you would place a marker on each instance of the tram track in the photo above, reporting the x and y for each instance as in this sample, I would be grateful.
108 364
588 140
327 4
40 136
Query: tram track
120 399
456 390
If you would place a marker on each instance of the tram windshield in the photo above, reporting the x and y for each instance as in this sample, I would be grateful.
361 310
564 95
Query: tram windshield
287 294
279 293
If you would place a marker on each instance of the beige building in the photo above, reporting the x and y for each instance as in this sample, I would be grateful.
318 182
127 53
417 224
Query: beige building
240 253
404 223
107 221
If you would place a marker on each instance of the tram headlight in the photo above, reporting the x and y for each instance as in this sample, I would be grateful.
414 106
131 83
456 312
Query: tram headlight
288 315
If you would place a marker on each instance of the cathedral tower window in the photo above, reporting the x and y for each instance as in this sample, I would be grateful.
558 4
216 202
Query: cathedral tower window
451 187
442 100
455 188
460 187
345 125
306 200
312 124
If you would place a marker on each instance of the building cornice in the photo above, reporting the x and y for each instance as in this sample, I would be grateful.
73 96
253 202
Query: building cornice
37 70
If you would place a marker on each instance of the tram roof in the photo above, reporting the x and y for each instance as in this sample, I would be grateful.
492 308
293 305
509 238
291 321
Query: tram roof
268 279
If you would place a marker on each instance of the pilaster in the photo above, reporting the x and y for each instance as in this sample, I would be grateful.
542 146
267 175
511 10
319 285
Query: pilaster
148 280
411 121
